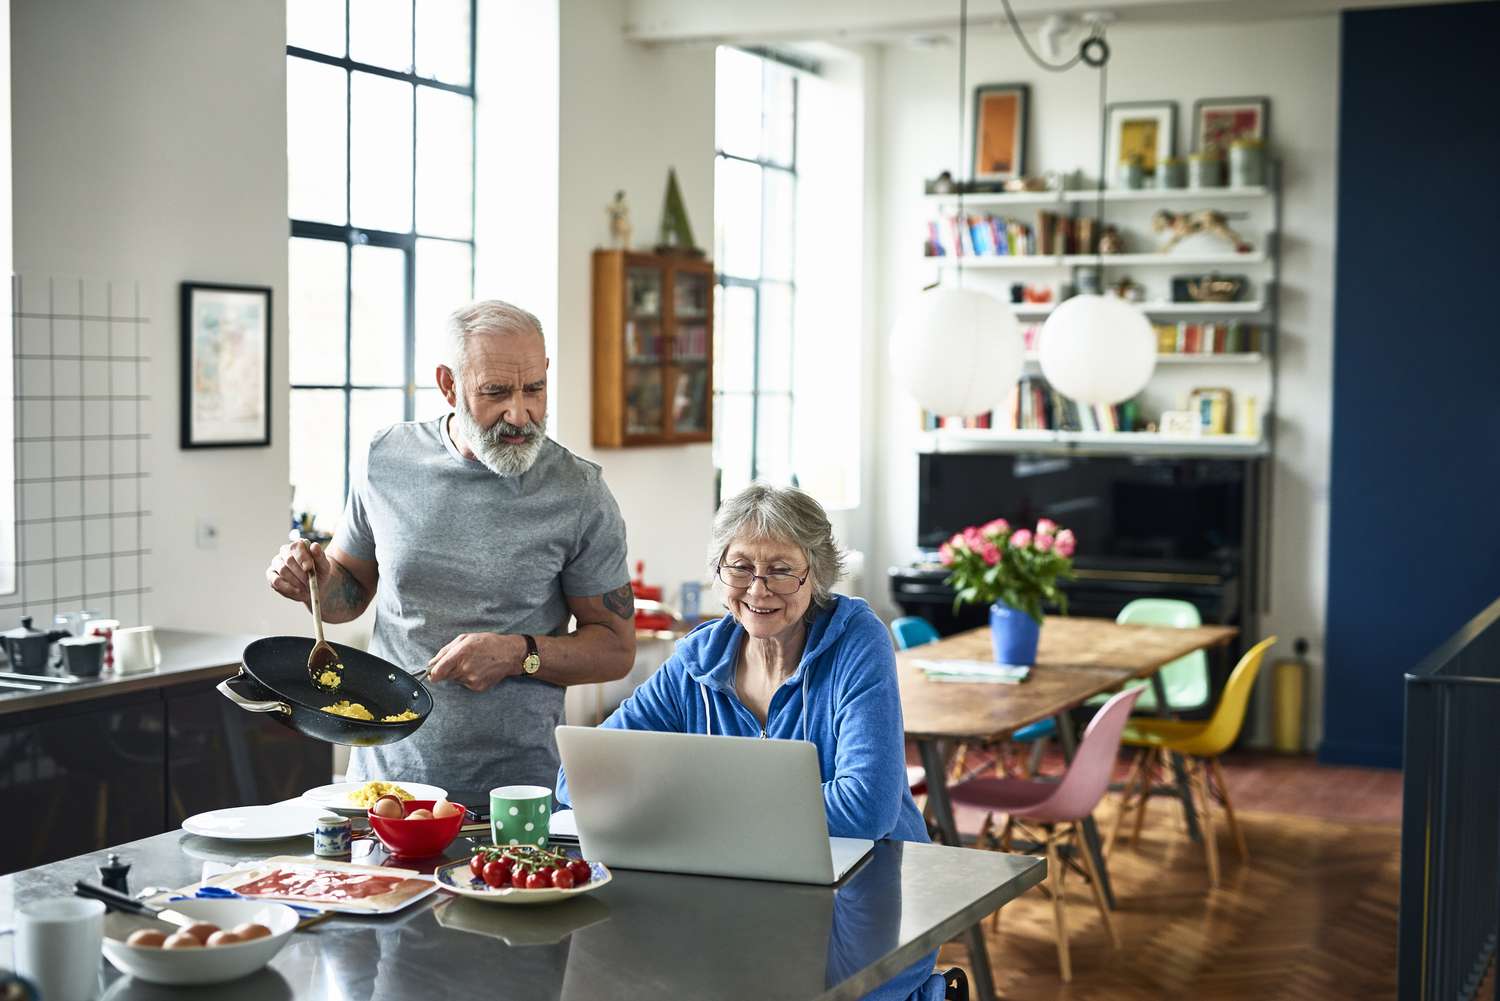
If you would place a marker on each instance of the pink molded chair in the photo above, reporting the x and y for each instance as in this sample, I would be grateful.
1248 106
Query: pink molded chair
1058 809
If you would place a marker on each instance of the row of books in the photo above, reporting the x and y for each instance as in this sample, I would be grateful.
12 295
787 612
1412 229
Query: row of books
1035 406
643 342
996 236
1218 338
692 342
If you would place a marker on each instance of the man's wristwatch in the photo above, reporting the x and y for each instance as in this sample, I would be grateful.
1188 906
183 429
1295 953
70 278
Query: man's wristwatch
532 662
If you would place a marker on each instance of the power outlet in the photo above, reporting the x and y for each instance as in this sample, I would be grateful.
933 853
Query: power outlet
208 534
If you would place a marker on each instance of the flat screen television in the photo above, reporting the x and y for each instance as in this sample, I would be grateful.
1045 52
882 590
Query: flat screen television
1140 513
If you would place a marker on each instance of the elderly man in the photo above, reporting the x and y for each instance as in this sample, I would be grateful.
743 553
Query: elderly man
476 536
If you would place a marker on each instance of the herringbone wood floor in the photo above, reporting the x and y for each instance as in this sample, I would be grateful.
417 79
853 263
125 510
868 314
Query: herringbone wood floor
1313 916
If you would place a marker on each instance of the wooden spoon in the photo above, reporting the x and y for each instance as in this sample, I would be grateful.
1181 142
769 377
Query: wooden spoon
323 657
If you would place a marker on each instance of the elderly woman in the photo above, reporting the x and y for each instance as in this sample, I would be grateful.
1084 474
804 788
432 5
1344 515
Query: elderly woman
792 660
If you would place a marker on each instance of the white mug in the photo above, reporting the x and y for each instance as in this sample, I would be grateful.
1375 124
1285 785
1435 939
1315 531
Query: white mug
58 943
136 650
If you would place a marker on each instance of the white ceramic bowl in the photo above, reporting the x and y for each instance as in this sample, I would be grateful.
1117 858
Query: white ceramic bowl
209 965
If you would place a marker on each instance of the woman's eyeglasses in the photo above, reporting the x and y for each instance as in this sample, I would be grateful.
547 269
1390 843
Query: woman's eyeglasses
777 581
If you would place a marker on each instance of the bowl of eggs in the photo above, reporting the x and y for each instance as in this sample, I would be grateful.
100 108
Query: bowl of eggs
416 828
228 939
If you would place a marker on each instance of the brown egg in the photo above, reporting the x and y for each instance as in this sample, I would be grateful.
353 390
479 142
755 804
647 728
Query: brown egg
200 930
182 940
249 931
224 938
419 815
388 807
146 938
443 808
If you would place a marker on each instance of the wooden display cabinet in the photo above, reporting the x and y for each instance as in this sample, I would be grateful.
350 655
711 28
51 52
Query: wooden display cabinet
653 349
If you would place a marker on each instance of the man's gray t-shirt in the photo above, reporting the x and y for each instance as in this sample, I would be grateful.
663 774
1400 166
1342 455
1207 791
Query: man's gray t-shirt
463 550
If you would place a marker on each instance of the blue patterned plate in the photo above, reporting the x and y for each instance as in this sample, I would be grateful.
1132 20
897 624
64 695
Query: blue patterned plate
456 877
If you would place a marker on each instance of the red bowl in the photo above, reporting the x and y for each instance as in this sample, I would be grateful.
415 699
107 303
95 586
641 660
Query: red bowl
417 838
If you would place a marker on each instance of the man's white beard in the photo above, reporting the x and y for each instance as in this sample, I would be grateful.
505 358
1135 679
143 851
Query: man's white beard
500 456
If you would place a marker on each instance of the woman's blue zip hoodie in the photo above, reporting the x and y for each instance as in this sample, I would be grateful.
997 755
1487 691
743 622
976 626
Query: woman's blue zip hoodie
843 697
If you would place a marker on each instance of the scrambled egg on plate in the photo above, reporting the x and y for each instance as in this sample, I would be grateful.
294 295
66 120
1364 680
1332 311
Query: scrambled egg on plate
367 794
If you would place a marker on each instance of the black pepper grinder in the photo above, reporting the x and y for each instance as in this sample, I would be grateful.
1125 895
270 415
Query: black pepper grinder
115 874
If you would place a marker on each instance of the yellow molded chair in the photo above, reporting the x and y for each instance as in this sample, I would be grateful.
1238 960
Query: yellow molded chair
1200 744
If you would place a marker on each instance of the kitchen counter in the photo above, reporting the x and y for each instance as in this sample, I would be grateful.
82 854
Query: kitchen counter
646 935
186 657
118 758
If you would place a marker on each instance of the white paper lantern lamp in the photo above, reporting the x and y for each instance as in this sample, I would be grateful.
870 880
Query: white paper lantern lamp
958 352
1097 349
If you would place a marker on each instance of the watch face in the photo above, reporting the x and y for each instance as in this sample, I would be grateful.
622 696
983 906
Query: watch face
531 664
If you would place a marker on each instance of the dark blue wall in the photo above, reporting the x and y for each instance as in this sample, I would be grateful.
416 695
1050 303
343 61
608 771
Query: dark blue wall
1414 533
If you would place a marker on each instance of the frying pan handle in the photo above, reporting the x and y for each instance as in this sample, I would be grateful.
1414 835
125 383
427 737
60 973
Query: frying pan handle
226 689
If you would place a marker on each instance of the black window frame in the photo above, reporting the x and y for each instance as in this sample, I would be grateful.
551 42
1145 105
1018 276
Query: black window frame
351 236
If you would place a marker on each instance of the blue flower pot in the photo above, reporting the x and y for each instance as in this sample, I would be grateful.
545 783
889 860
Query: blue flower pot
1014 633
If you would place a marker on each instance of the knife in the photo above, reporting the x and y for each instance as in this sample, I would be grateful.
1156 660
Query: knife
121 902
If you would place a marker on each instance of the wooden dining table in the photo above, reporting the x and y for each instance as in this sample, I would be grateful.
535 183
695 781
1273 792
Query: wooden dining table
1077 658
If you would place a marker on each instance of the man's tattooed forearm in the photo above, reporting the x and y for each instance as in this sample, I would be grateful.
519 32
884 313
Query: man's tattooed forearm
621 601
347 595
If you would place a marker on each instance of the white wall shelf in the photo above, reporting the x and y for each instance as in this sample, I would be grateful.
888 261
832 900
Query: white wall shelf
1163 196
1248 308
1060 261
1186 358
1094 442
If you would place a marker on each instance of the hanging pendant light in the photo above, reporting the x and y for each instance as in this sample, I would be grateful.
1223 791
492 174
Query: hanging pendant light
957 351
1096 349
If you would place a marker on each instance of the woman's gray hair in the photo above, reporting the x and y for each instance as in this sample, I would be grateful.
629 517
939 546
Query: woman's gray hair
781 514
486 316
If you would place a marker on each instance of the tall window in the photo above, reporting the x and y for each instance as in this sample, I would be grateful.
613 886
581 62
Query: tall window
755 189
380 149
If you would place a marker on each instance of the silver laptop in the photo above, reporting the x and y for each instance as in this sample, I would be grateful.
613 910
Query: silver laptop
715 806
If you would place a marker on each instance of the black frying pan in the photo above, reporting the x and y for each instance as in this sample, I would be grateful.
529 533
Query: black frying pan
274 680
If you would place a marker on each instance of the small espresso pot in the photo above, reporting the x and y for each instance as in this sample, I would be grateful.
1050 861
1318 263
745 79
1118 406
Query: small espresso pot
28 649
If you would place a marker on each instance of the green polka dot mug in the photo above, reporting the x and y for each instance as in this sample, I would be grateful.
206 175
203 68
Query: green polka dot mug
519 815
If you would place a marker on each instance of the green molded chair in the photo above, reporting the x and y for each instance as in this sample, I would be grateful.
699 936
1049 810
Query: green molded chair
1186 678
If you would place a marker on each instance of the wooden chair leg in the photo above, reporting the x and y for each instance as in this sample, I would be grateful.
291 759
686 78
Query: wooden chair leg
1234 827
1055 871
1125 803
1199 784
1088 865
1148 781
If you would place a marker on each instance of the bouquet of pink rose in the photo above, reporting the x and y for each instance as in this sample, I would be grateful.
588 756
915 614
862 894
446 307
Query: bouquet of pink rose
993 563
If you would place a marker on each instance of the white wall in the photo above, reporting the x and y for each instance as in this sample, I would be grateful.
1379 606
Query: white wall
150 145
1295 63
628 113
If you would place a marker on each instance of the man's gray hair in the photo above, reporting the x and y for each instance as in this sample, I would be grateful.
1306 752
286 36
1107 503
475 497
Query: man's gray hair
486 316
781 514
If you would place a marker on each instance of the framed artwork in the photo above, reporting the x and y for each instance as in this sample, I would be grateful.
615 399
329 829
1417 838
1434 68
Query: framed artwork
999 148
226 365
1219 121
1145 129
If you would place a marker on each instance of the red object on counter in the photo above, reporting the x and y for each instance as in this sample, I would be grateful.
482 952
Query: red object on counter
322 885
417 838
646 620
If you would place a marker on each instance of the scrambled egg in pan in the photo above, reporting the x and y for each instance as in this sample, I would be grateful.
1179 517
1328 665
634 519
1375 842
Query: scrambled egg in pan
354 710
330 678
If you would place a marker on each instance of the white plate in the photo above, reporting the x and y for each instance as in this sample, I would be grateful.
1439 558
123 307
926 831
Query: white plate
457 878
335 797
208 965
255 823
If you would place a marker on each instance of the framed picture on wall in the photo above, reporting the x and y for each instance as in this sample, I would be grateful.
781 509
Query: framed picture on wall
1143 129
226 365
999 148
1219 121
